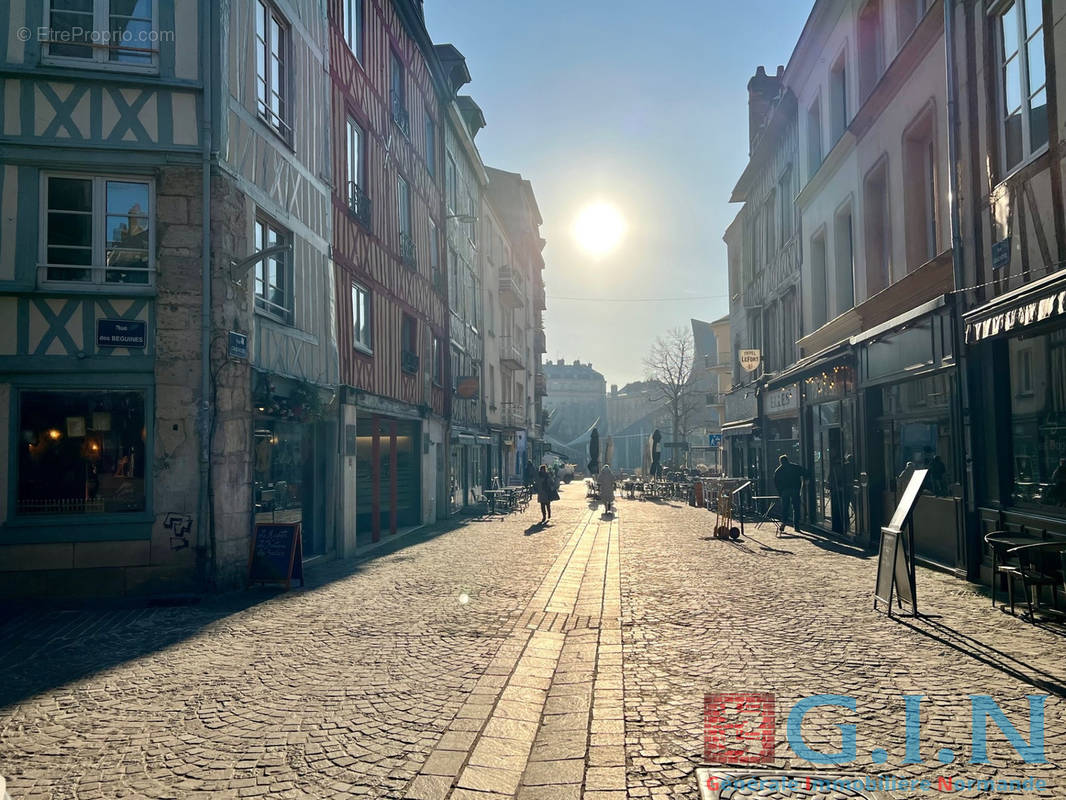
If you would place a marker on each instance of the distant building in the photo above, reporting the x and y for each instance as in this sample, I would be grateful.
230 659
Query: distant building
711 378
577 400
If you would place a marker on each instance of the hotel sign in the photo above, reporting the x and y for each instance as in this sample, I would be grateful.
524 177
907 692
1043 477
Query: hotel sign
1051 305
749 359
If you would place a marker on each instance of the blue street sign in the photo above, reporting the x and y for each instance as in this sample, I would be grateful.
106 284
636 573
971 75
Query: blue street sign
714 440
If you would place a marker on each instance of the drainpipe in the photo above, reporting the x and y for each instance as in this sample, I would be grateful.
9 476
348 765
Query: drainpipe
205 529
962 401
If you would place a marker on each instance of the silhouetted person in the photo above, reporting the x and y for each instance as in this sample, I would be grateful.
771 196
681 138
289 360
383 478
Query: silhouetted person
546 492
788 480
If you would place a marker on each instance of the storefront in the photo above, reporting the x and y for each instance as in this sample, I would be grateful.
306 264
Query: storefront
388 475
907 385
290 471
1017 347
469 468
741 437
781 426
829 446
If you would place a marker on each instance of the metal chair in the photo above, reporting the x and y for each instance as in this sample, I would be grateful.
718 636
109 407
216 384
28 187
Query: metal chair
1036 569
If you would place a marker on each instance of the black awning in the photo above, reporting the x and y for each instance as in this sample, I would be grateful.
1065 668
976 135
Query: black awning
739 428
833 354
1040 301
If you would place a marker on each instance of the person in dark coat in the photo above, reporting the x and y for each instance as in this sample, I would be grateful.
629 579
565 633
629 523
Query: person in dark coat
546 492
529 474
788 479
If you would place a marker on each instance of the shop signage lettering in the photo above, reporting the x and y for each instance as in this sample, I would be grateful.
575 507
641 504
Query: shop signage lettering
466 387
120 333
786 399
1029 314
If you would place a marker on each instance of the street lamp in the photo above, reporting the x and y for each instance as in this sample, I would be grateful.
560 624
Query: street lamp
466 219
238 269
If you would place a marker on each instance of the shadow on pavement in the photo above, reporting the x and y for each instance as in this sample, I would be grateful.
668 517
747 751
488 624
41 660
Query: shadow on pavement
986 654
43 648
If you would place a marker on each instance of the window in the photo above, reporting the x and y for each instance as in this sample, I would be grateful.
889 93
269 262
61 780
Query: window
819 287
1023 82
271 64
409 343
434 251
81 452
814 138
438 361
398 93
353 27
843 256
471 209
97 230
431 146
871 48
273 289
131 36
453 278
358 202
878 229
451 190
790 319
1037 443
403 208
916 429
771 233
919 189
784 199
492 386
362 338
908 14
838 99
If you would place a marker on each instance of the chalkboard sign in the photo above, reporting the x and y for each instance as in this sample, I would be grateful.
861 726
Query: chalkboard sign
277 554
892 572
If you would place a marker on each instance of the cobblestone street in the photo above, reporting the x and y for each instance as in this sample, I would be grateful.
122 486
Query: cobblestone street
499 659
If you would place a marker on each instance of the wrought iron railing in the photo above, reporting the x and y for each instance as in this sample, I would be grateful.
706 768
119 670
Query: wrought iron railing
407 250
359 204
409 361
400 115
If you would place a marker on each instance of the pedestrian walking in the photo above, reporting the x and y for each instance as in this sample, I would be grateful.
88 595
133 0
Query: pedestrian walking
788 479
546 493
606 482
529 474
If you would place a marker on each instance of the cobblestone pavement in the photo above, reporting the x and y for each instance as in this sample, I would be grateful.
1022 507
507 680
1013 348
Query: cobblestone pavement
498 659
793 617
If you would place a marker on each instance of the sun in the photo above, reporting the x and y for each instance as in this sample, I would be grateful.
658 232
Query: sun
599 228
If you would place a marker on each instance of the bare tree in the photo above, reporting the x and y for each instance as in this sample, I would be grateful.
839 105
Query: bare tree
669 367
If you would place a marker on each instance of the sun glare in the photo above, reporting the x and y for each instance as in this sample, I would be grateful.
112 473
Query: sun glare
599 228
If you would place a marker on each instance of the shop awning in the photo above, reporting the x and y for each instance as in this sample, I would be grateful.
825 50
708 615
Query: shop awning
1036 302
487 440
745 428
811 364
464 438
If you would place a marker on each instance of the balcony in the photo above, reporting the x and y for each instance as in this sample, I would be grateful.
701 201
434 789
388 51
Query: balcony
400 115
512 290
407 250
512 356
539 342
409 362
541 299
540 385
512 415
359 205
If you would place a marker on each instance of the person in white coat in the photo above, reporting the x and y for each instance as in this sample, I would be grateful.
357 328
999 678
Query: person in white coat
606 481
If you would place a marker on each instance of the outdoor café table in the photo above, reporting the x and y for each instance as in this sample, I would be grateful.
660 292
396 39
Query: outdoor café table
1000 544
494 495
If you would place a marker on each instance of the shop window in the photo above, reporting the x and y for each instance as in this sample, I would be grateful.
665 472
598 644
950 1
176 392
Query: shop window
272 69
81 452
917 431
1023 82
273 277
98 230
74 26
1038 411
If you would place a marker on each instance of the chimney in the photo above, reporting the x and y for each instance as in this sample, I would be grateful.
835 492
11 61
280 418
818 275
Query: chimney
577 362
560 362
762 90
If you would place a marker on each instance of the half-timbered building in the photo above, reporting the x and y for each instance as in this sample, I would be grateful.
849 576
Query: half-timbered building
388 153
130 458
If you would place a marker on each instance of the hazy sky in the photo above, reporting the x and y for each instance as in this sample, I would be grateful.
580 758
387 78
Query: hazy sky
640 104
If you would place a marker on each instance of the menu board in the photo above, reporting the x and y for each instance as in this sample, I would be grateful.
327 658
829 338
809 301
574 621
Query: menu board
277 554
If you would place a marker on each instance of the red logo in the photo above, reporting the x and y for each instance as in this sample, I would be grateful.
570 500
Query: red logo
738 728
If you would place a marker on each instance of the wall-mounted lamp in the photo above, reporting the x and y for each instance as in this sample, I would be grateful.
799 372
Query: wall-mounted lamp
466 219
238 269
